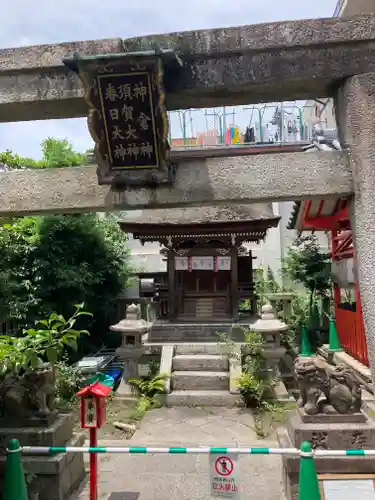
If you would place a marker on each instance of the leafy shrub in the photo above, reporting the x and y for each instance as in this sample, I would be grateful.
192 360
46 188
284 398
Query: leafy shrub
147 390
46 343
265 283
256 382
50 263
68 381
148 387
308 266
79 259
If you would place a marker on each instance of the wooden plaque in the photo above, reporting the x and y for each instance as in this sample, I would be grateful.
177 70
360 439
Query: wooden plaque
128 110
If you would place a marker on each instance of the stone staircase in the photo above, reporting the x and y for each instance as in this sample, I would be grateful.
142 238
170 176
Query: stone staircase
204 307
200 377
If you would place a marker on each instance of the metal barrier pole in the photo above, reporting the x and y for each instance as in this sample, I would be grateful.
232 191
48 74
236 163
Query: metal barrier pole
15 487
93 465
160 451
294 452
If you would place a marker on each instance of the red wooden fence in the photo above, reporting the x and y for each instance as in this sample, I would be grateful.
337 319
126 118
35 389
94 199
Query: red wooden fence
350 327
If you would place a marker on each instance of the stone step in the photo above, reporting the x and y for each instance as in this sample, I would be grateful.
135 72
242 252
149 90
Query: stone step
198 348
200 362
199 380
202 398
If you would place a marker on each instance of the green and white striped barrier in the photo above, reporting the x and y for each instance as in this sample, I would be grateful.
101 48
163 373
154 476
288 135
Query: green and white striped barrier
15 485
201 450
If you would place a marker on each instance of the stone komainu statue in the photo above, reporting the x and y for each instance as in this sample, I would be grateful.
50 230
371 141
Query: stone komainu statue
29 396
316 378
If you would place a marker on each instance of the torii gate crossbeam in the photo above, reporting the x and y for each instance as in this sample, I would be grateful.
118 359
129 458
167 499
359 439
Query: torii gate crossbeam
248 64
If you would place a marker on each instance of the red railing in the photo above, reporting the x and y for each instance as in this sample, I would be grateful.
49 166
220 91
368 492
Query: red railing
350 327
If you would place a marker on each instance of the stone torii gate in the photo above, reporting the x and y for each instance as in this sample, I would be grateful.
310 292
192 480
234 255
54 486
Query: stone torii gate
232 66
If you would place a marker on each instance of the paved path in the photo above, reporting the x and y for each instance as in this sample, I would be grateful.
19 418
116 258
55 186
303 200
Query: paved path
186 477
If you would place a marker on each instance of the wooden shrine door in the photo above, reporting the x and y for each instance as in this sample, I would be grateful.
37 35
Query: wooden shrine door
203 289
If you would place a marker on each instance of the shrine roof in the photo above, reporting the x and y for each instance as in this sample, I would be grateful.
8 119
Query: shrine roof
257 215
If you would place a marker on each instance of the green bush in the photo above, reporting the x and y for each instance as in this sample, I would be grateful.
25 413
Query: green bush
147 390
50 263
56 153
256 382
83 258
48 341
68 381
307 266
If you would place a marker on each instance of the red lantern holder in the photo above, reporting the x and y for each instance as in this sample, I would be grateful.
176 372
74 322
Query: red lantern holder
93 416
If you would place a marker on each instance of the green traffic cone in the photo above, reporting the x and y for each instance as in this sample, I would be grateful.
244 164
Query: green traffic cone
334 341
308 488
14 477
306 350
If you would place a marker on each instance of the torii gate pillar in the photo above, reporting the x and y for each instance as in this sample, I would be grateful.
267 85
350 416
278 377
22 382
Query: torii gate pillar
355 110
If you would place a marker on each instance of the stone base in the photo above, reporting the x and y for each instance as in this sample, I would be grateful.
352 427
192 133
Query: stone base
334 418
174 332
58 476
335 435
30 422
56 434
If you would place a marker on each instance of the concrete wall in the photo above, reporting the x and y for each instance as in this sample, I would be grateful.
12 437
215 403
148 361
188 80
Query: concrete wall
270 252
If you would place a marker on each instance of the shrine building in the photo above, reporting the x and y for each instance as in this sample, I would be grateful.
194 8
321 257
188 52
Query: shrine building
209 271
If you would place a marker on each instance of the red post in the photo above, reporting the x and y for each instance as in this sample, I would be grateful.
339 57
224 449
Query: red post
93 417
94 472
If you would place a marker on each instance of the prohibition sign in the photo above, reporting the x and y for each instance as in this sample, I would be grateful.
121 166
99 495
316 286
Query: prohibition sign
224 466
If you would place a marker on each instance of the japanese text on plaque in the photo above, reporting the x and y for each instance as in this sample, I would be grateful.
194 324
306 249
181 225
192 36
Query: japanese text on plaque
128 112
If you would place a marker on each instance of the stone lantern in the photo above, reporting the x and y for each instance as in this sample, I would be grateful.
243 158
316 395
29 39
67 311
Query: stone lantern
270 327
131 350
285 298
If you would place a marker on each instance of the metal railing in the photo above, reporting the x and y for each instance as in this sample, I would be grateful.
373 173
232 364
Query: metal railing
278 123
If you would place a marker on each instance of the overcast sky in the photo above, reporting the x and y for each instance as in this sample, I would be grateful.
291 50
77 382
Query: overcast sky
46 21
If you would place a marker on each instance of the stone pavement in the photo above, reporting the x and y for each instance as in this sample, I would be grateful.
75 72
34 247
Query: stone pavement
186 477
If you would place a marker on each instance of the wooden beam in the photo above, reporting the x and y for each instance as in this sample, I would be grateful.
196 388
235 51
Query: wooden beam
221 181
344 246
327 222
